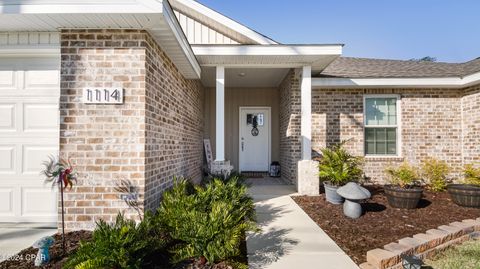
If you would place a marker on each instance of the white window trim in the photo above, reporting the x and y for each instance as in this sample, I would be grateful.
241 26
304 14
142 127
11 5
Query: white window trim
399 125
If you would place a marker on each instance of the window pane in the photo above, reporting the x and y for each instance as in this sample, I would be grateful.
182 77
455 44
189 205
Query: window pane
370 111
391 134
381 141
392 148
370 135
392 111
381 134
381 147
369 147
381 111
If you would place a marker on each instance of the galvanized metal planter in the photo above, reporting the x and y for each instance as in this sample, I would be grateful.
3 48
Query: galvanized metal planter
331 193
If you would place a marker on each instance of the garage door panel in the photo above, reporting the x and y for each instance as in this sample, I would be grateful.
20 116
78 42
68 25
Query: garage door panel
7 117
35 155
6 202
8 160
29 133
41 79
42 117
38 201
8 80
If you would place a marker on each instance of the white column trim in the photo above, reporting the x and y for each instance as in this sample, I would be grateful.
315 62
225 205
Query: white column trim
220 114
306 107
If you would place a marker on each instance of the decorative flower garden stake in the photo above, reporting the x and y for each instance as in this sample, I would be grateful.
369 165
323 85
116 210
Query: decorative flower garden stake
60 173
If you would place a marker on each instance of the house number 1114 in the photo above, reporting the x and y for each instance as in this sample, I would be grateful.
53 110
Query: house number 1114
102 96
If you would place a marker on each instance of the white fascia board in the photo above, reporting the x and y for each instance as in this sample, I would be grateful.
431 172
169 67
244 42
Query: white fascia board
181 38
29 50
81 7
227 22
471 79
267 50
449 82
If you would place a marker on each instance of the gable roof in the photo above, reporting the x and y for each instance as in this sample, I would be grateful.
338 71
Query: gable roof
221 23
349 67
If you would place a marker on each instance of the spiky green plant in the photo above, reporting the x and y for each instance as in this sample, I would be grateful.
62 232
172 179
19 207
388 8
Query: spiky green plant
208 221
435 172
123 244
472 174
338 166
405 175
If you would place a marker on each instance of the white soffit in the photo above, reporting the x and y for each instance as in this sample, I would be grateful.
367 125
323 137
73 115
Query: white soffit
246 77
155 16
220 22
273 56
448 82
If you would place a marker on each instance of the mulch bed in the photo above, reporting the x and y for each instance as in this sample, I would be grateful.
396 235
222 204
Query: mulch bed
382 224
24 258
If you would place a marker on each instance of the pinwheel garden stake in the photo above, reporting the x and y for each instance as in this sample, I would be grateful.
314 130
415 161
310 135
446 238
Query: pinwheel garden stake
60 173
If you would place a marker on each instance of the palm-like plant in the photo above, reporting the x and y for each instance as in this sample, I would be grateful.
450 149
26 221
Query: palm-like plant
59 173
210 221
338 166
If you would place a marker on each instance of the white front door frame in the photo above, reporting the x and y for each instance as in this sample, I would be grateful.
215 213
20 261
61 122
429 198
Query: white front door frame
240 126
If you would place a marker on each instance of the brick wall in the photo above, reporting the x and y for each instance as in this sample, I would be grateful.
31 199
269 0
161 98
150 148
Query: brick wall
290 147
174 116
431 124
471 125
138 140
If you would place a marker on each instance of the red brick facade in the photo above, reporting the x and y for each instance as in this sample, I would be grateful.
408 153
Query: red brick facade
290 109
471 124
431 125
155 135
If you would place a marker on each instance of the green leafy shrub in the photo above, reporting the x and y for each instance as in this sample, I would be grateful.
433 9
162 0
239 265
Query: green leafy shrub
404 175
472 174
208 221
338 166
234 175
435 172
123 244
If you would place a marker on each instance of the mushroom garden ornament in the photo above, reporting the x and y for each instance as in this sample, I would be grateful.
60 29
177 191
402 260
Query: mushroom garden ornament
42 244
353 194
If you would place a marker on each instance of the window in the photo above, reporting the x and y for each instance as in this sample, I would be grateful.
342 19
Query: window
381 125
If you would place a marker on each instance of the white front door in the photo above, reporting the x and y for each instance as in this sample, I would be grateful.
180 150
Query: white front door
254 146
29 132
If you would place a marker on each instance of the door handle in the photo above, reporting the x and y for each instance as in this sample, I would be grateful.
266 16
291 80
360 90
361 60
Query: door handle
242 145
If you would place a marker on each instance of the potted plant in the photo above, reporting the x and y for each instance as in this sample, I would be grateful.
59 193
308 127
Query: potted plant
405 190
467 194
338 167
435 173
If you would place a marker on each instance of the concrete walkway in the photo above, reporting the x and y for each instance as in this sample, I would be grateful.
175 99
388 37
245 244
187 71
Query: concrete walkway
289 238
15 237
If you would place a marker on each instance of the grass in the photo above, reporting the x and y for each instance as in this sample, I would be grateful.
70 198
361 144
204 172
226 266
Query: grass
465 256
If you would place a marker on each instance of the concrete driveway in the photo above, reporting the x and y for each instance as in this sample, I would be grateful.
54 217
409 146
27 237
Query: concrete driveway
15 237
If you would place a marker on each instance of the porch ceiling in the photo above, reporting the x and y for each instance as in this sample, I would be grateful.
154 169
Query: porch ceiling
246 77
267 56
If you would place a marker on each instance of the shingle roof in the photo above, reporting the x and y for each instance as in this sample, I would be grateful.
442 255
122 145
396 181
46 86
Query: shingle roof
349 67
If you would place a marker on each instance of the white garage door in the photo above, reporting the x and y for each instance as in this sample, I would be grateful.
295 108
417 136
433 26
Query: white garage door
29 132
